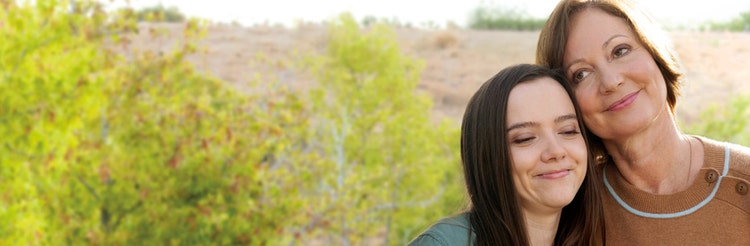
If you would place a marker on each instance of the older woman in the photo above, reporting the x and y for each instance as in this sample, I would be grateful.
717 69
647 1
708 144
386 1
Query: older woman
662 186
527 169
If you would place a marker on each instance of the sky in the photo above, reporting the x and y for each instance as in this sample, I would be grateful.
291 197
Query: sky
288 12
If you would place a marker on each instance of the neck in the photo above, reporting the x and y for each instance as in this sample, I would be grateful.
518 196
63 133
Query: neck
542 228
658 160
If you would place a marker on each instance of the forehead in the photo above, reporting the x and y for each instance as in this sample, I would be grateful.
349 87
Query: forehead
596 21
591 27
538 100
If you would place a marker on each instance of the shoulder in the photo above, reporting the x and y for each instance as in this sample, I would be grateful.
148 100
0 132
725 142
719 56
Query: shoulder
739 156
448 231
735 148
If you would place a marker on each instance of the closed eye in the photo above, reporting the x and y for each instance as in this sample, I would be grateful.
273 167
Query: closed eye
570 129
523 140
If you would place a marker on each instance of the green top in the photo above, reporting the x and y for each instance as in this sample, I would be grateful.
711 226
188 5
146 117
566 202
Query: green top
448 231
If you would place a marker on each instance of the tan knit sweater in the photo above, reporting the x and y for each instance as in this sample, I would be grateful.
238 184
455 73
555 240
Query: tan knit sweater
701 215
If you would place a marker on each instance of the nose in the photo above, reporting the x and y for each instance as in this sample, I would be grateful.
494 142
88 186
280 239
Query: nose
554 151
610 80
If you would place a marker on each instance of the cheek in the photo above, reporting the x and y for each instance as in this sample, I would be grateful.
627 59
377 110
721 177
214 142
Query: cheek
661 83
645 69
587 100
579 154
521 160
578 150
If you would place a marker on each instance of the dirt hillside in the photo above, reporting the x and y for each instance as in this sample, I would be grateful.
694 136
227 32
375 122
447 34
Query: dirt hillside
456 61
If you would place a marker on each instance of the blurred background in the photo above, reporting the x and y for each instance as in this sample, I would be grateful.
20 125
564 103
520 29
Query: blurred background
418 12
279 122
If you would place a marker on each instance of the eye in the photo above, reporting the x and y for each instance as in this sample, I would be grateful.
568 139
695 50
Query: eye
620 51
570 131
580 75
522 140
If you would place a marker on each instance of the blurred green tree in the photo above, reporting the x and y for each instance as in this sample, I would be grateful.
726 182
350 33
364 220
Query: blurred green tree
729 123
103 144
489 16
159 13
101 148
387 169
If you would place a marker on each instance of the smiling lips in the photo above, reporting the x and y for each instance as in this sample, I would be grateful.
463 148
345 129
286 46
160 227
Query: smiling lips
555 174
624 102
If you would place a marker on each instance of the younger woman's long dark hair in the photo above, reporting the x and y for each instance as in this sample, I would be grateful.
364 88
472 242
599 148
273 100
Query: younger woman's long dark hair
495 213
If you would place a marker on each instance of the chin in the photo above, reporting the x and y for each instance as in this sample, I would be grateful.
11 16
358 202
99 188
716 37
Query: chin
561 203
561 200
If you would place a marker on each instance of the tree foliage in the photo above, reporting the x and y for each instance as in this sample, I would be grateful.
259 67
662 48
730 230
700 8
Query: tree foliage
491 17
159 13
740 23
103 149
384 161
132 147
729 123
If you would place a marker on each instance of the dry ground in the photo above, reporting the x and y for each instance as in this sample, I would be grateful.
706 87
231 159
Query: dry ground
456 61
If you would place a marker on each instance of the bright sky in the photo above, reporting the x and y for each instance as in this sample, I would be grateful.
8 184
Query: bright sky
249 12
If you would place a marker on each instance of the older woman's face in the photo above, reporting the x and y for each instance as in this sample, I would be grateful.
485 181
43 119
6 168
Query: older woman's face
547 150
618 85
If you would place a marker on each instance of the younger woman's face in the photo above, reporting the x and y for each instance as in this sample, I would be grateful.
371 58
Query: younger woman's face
547 150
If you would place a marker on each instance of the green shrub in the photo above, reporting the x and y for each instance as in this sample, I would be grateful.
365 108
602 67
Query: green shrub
387 171
737 24
105 149
102 149
498 18
730 123
159 13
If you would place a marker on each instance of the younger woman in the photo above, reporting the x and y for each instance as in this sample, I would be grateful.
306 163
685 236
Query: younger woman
526 165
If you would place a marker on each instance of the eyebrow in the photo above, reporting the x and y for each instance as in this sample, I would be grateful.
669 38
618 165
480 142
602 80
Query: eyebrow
531 124
576 61
604 46
566 117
